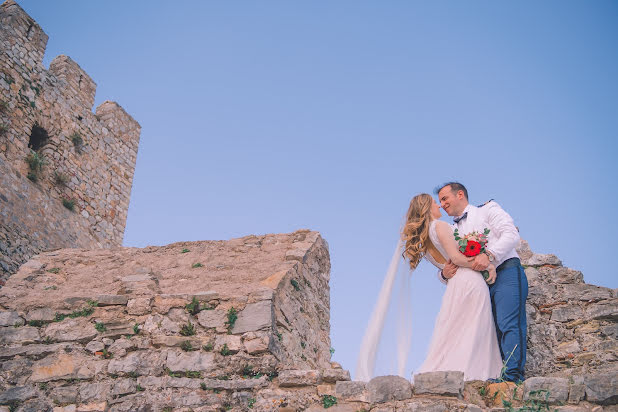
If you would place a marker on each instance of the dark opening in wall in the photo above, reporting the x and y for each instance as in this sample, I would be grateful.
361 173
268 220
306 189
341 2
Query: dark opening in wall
38 137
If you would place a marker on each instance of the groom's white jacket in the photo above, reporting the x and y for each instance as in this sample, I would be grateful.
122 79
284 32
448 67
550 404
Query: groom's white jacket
503 235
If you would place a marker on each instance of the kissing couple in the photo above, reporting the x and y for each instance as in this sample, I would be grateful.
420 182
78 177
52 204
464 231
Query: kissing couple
481 326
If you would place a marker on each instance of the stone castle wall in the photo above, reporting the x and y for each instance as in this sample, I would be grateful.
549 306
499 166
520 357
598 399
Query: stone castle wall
261 306
89 158
572 326
244 325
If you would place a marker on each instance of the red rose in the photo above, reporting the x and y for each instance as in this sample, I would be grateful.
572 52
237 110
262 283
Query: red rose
472 248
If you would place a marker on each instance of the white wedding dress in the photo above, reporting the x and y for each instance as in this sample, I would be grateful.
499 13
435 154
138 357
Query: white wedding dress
464 337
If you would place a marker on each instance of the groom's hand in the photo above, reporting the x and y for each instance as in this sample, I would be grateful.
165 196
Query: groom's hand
449 270
480 262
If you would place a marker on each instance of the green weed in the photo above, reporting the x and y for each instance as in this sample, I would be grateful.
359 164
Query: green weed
232 315
295 284
328 401
188 329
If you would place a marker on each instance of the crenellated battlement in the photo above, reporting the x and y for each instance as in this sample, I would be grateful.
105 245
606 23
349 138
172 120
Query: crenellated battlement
84 161
74 81
21 35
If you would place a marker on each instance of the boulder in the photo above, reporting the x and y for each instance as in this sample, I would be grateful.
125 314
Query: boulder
450 383
388 388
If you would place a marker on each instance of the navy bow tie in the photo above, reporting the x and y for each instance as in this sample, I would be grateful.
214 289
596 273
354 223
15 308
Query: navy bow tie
457 219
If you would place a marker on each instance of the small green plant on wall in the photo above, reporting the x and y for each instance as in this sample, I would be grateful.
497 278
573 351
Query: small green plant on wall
60 178
68 203
77 140
35 161
3 129
4 106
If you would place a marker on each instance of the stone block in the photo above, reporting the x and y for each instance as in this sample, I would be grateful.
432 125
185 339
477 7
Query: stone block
138 306
17 394
450 383
603 310
188 383
237 384
22 335
152 382
121 346
65 394
557 388
586 292
177 341
255 316
111 300
351 390
11 318
576 393
566 313
212 318
36 351
334 375
117 330
98 391
289 378
388 388
77 330
256 342
190 361
124 386
138 362
41 314
602 388
232 342
61 366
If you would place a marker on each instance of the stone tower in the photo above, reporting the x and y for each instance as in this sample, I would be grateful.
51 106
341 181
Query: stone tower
55 153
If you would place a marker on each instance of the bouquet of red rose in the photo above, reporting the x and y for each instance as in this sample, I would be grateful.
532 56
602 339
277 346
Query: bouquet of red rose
472 244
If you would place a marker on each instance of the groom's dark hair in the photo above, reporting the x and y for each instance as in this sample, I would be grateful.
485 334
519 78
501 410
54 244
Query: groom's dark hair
455 187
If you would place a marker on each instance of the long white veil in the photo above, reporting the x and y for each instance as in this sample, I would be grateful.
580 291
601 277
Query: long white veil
369 346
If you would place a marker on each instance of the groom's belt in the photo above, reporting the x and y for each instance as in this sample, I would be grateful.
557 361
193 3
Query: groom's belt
509 263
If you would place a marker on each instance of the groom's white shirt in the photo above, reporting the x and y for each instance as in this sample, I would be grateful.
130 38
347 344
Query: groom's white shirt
503 235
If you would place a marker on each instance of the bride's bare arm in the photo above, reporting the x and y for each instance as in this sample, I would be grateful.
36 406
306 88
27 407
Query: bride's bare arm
445 234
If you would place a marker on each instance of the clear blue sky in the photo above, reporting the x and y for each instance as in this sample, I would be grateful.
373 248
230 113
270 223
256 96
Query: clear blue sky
270 116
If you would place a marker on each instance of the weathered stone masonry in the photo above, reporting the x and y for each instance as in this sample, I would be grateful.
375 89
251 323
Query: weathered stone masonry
93 154
145 347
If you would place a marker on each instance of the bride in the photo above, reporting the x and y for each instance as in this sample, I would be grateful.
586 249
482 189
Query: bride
464 337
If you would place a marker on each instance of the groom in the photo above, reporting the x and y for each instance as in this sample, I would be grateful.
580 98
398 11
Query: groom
509 291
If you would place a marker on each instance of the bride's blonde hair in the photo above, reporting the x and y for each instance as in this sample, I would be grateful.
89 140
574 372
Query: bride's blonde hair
415 232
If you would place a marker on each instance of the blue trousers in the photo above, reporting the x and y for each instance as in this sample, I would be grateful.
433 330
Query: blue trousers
508 303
